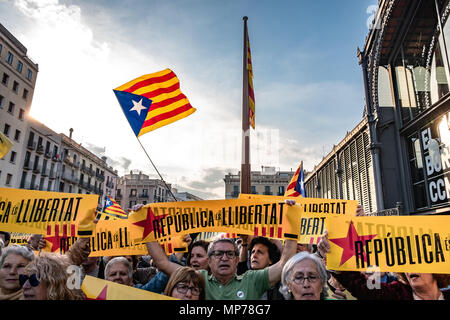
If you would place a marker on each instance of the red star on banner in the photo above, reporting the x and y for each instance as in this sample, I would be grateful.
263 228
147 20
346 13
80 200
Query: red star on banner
101 295
147 223
348 243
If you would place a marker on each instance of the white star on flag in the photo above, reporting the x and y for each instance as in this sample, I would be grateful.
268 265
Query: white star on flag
138 107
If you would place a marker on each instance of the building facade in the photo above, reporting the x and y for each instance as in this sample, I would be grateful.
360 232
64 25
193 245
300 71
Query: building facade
268 181
404 156
18 78
138 188
84 172
41 163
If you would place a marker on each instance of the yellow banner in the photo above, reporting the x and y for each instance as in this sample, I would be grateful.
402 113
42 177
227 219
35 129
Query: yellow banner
394 244
99 289
241 216
29 211
314 212
111 238
19 238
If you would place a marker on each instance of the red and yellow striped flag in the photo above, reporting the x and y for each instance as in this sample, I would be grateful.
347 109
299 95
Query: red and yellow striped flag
251 94
152 101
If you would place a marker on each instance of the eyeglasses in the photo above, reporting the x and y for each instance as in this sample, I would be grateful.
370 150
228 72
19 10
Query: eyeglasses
34 281
182 288
219 254
301 280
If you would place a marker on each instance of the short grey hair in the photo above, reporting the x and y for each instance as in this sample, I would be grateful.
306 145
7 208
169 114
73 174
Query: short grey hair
122 260
227 240
287 270
23 251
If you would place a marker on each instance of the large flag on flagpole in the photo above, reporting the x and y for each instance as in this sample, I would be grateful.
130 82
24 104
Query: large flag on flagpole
5 145
251 94
296 186
152 101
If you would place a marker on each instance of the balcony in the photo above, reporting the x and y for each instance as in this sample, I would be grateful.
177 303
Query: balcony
100 177
34 187
76 164
267 193
68 160
44 172
55 157
28 165
235 194
143 196
118 196
110 185
36 169
52 175
40 149
82 184
31 145
47 154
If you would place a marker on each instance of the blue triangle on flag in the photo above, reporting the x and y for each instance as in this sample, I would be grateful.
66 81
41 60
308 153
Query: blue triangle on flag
135 108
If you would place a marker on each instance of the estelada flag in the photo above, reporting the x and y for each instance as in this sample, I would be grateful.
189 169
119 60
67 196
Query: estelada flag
296 186
152 101
5 145
113 208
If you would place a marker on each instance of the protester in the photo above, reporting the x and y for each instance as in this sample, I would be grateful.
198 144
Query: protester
119 270
91 267
5 237
263 253
197 257
186 283
13 260
223 283
304 277
410 286
46 277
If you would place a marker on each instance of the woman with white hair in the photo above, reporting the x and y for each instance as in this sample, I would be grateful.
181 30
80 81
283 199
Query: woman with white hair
304 277
13 260
119 270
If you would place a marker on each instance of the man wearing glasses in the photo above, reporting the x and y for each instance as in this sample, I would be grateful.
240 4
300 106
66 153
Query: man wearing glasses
223 283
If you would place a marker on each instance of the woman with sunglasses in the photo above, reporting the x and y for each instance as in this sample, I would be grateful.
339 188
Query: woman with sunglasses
13 260
45 278
186 284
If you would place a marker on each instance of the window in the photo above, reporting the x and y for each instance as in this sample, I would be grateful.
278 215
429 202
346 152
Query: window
8 179
17 135
24 178
19 66
1 47
2 99
11 107
15 86
9 57
267 190
6 129
133 192
12 159
21 114
29 74
5 79
25 94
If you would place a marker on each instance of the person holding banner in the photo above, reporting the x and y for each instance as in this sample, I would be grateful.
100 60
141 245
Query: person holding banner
223 283
13 260
304 277
411 286
186 283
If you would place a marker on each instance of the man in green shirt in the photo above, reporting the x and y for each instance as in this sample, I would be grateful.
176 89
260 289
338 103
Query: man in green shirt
223 283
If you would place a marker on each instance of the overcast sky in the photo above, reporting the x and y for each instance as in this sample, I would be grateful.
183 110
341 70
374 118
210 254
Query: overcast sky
307 81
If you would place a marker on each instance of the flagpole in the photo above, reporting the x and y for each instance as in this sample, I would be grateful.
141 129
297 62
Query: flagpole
175 199
245 165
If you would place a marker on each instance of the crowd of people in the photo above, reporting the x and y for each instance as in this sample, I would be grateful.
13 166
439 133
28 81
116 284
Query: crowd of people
246 268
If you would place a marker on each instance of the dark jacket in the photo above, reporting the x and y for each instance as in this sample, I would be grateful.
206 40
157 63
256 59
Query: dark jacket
356 284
